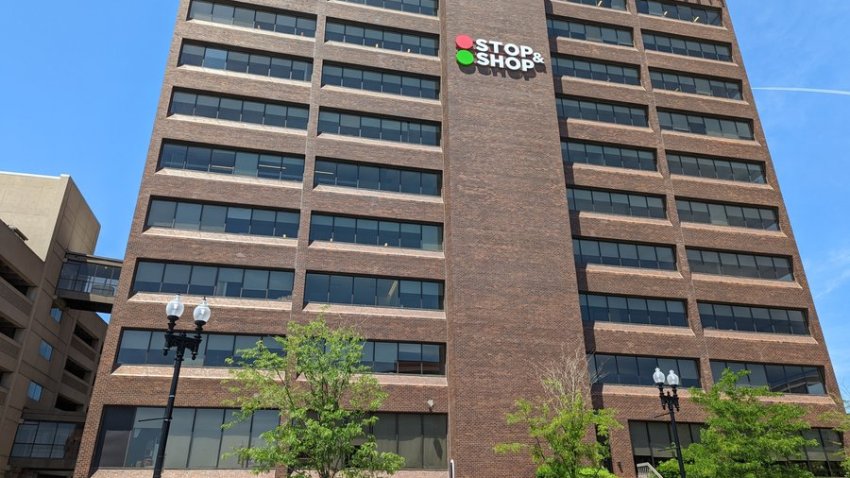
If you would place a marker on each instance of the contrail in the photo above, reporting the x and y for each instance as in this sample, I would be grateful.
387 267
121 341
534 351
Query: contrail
803 90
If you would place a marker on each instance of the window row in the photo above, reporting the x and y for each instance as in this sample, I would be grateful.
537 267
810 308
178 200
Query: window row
681 11
246 62
37 439
375 232
423 7
716 168
706 125
378 178
611 202
632 310
806 380
235 162
142 347
593 32
374 127
216 218
622 114
623 254
652 443
595 70
129 437
419 438
740 265
373 291
580 30
687 46
387 39
727 215
608 155
194 279
236 109
267 20
380 81
614 4
632 370
698 85
753 319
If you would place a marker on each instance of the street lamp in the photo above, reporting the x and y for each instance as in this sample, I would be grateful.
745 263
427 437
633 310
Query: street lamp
670 402
181 342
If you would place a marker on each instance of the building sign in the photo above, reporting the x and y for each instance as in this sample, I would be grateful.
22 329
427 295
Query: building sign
496 54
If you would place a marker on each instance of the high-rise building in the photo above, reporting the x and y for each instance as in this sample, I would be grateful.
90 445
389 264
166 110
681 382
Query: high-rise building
478 186
50 334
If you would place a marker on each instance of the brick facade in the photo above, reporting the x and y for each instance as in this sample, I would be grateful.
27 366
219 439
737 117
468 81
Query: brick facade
511 283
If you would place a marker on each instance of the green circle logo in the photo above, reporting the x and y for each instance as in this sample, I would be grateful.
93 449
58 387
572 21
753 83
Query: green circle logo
465 57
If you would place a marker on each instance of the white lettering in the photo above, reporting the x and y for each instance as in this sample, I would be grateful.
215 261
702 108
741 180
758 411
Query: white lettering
482 58
497 61
513 63
525 51
511 49
496 46
481 45
527 65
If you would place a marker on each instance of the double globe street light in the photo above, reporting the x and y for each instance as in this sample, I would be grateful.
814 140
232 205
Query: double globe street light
182 342
670 402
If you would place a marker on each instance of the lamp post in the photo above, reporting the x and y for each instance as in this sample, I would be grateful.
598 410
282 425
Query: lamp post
181 342
670 402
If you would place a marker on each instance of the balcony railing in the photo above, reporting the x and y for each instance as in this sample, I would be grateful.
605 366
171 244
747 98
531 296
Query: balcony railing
88 282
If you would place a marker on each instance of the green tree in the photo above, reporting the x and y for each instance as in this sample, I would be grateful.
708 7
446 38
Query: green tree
746 436
326 400
561 423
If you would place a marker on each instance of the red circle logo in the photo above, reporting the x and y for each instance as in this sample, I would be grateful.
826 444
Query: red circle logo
464 42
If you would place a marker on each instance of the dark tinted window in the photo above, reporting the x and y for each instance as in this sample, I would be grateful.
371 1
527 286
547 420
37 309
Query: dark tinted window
275 21
622 114
685 12
615 4
221 160
633 310
594 32
376 232
727 215
239 110
381 81
262 64
608 155
652 442
698 85
196 279
623 254
423 7
634 370
381 178
373 291
616 202
419 438
595 70
753 319
396 40
374 127
217 218
687 46
716 168
129 437
740 265
806 380
705 125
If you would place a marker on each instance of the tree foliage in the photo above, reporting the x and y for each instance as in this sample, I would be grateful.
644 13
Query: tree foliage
325 398
561 423
745 436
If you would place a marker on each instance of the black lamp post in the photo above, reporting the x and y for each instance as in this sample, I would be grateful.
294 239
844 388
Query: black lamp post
670 402
182 343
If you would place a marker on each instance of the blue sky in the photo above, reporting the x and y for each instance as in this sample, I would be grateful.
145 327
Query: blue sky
80 87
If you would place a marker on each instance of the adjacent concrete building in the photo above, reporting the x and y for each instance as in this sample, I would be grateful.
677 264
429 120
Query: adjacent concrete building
479 187
49 350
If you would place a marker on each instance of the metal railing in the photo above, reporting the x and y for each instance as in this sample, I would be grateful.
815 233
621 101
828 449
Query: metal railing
80 275
645 470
